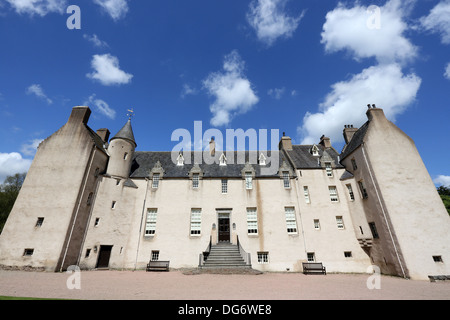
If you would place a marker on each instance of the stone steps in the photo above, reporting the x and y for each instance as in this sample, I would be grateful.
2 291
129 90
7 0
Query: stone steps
225 255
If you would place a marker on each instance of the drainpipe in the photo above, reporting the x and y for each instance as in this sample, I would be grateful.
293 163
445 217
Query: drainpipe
142 219
384 212
299 213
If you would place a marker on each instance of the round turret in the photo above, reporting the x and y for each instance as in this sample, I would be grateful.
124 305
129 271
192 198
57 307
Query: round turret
121 149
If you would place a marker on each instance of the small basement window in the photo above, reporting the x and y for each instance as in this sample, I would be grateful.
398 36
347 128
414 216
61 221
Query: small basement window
437 259
28 252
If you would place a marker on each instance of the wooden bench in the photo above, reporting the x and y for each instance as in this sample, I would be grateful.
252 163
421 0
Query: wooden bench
158 265
314 267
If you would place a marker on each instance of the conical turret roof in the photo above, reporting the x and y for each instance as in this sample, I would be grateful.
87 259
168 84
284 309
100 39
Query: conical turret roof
126 133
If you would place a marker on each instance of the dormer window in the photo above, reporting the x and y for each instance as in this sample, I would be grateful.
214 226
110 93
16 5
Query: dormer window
223 160
262 160
180 160
315 151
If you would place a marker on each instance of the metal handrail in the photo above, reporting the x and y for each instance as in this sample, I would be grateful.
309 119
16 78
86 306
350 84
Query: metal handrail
205 254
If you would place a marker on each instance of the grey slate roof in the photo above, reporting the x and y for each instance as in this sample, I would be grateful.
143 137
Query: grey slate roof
303 159
300 158
357 140
143 163
126 133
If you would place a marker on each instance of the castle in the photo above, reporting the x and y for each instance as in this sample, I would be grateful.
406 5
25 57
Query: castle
96 202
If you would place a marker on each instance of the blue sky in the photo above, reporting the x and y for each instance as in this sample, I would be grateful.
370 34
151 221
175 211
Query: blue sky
304 67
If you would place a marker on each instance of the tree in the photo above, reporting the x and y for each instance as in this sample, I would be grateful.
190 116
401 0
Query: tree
9 191
444 192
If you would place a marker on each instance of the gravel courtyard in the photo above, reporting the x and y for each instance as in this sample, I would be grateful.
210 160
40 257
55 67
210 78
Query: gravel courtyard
191 285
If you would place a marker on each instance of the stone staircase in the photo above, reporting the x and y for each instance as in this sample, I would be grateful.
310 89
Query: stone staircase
225 255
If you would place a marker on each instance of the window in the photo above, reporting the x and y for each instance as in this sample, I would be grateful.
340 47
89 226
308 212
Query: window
248 181
350 192
150 226
306 193
316 224
223 160
117 182
329 169
252 221
195 180
286 180
437 259
363 190
125 156
311 257
89 199
340 222
347 254
155 255
155 183
373 229
113 205
39 222
315 150
291 222
263 257
262 160
333 194
224 186
180 160
196 222
88 253
28 252
97 221
354 164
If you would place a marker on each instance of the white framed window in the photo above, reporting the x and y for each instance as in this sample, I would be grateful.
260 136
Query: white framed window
224 186
150 225
155 255
155 180
291 222
306 193
328 169
311 256
263 257
252 221
248 181
286 180
316 224
196 222
180 160
350 192
195 180
340 222
333 194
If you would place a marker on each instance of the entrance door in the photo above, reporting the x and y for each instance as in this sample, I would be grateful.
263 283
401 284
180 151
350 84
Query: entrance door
224 228
103 257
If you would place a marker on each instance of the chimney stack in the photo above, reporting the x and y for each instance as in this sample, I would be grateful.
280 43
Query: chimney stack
285 143
374 113
79 115
349 131
325 142
212 147
104 134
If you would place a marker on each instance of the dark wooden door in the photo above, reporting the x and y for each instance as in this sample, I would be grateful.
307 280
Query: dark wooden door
224 229
103 256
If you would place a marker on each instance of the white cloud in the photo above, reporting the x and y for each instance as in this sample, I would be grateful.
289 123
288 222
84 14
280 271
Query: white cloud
95 40
101 106
438 21
354 30
270 21
29 149
188 90
107 70
232 90
37 90
447 71
12 163
276 93
383 85
39 7
442 181
117 9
